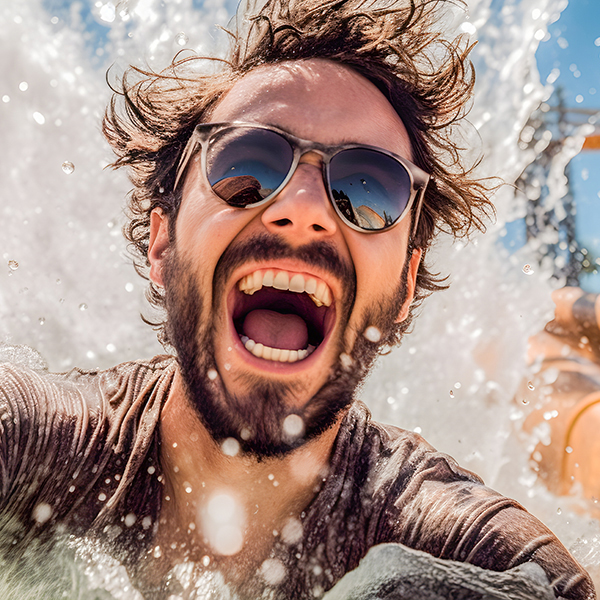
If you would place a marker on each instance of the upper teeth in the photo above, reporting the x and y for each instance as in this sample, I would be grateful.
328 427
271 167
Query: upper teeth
317 290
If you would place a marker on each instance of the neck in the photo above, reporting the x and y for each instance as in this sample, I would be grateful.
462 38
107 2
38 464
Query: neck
230 509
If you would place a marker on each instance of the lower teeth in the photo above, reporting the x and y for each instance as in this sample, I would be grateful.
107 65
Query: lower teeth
276 354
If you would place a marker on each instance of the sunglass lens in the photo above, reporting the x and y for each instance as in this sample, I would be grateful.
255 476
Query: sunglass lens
371 189
245 165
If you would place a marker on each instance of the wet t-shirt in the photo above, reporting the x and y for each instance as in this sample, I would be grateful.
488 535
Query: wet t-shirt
79 458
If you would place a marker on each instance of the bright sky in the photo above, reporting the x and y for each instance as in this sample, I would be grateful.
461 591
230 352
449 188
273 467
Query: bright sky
574 49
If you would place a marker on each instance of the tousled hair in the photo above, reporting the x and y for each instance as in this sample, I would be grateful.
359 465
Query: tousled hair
397 45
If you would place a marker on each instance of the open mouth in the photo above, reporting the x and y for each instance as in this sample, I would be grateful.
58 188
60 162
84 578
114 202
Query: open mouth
282 316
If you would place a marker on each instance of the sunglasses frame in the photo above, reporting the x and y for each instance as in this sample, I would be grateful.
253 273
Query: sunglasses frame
204 131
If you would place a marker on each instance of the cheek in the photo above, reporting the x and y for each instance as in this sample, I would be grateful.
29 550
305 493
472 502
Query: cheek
205 227
379 262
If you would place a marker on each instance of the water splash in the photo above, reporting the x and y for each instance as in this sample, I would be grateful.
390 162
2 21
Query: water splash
55 225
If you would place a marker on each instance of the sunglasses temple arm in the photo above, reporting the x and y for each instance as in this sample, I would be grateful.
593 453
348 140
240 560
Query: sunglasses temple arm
189 151
418 213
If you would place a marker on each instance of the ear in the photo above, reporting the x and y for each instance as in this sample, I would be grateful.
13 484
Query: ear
158 244
411 281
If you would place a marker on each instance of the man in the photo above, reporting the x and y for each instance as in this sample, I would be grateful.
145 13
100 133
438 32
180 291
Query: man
284 207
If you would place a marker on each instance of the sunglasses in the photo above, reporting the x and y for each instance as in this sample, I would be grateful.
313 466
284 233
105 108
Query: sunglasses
247 165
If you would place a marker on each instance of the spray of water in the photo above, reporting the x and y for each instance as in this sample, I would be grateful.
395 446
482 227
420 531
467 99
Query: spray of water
61 247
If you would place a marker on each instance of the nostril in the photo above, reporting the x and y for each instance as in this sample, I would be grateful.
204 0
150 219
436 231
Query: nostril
318 227
282 222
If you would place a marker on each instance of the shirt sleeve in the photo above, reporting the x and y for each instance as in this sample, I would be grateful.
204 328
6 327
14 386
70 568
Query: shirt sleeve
468 522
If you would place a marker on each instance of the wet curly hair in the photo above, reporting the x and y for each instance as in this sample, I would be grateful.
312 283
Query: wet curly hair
395 44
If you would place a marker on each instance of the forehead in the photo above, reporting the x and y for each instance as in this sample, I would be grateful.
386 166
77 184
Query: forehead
317 100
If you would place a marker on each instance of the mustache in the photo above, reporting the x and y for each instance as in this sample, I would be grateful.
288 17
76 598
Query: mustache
264 246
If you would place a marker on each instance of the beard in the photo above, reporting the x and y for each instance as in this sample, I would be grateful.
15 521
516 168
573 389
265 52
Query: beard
255 418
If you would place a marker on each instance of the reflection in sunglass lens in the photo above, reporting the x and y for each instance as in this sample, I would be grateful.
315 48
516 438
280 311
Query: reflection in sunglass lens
246 165
371 189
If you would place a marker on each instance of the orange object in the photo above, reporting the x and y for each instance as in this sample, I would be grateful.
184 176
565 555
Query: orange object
592 143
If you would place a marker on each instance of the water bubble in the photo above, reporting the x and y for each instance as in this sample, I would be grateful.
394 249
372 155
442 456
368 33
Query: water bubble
530 386
568 449
212 374
6 98
292 531
187 487
270 476
391 400
108 12
527 269
451 394
525 401
83 306
23 86
206 560
41 320
102 496
372 334
39 118
68 167
245 433
130 519
346 360
111 347
273 571
558 511
293 426
181 39
417 430
230 447
42 512
157 553
13 265
129 287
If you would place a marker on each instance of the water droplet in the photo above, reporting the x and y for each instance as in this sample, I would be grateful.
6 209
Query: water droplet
13 265
212 374
68 167
187 487
230 447
42 512
206 560
41 320
245 433
39 118
83 306
372 334
568 449
391 400
102 496
293 426
527 269
23 86
525 401
181 39
558 511
270 476
227 366
129 287
451 394
273 571
157 552
130 519
530 386
111 347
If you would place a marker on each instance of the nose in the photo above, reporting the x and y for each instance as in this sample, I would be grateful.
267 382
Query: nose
302 209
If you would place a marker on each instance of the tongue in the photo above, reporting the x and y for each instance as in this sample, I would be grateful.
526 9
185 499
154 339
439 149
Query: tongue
273 329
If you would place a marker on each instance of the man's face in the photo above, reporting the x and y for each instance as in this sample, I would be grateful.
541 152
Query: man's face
361 280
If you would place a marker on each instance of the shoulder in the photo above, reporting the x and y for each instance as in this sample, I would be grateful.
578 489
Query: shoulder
399 458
